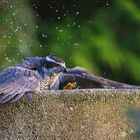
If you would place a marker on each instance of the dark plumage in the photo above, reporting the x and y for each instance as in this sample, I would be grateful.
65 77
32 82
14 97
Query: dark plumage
86 80
29 76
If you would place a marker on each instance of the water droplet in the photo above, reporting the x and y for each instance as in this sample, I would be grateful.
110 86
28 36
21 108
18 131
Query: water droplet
76 44
60 30
16 30
77 13
43 35
79 26
4 36
14 14
7 59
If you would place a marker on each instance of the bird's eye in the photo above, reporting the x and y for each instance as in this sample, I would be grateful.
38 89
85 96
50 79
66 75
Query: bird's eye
51 65
54 65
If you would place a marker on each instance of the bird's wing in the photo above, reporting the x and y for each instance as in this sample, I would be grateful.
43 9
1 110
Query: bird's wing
87 80
15 82
81 77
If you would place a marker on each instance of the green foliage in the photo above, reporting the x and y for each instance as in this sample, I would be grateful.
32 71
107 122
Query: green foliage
104 38
17 31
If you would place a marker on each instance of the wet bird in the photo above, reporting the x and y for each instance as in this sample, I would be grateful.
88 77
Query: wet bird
48 73
34 73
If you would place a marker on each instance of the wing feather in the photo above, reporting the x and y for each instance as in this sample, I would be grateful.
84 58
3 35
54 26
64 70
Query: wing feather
16 97
88 80
15 82
7 98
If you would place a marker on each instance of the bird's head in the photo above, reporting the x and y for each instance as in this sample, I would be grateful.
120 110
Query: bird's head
52 65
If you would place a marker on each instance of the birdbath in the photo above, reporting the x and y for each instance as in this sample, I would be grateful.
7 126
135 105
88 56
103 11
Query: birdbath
71 114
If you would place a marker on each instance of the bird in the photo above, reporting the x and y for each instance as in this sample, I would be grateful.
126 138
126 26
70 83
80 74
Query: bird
49 73
32 74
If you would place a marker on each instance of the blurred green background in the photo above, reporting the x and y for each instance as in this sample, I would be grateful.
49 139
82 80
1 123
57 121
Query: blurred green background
101 35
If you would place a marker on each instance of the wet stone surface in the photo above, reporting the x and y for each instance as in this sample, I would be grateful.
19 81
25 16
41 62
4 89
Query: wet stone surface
70 115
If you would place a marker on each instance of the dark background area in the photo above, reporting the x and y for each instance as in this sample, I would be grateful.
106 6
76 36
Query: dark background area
100 35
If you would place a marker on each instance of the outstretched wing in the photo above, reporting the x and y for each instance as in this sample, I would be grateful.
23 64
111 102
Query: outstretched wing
86 80
15 82
79 75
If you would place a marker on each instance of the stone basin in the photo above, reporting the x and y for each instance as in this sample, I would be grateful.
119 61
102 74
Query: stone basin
90 114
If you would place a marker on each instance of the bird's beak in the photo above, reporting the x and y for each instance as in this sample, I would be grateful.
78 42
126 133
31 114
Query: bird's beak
64 69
